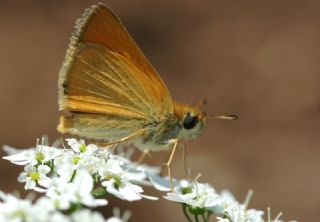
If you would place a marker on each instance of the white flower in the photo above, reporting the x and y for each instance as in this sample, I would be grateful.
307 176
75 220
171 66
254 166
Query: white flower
63 193
66 164
33 175
234 211
116 180
123 189
57 194
79 146
58 217
87 216
114 219
220 219
117 217
254 215
22 157
227 200
240 214
194 194
43 154
79 160
76 145
201 197
13 209
39 155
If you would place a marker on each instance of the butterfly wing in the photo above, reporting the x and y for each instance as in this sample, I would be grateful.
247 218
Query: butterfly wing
106 81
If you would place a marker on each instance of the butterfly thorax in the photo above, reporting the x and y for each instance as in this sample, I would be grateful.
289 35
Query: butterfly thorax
184 123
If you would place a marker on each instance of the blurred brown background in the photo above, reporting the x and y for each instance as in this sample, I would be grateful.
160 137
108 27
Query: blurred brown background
258 59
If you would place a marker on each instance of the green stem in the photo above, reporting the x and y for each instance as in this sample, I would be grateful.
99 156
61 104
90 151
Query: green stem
73 208
208 215
204 218
185 212
196 217
73 176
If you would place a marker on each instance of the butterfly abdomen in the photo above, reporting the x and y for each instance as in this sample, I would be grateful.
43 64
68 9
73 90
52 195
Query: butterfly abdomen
159 132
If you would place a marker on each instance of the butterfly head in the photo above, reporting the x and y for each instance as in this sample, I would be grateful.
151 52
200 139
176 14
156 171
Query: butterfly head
192 121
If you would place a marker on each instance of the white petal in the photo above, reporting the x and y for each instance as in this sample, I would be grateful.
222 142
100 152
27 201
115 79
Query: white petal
38 189
86 215
84 181
220 219
59 217
44 181
22 177
211 202
75 144
176 198
129 194
21 158
10 150
44 169
3 196
135 188
114 219
228 196
108 183
92 202
30 168
30 184
149 197
160 183
114 191
149 169
92 148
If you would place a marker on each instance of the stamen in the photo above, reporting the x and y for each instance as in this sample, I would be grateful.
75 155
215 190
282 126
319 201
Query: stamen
189 176
278 216
38 141
248 199
116 212
126 216
197 177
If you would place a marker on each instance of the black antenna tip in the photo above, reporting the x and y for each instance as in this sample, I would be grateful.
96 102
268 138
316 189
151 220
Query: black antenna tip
233 117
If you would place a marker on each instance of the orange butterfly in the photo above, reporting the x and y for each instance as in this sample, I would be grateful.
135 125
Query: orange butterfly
110 91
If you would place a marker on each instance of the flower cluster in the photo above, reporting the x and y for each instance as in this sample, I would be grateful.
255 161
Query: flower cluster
71 179
14 209
77 175
84 175
200 200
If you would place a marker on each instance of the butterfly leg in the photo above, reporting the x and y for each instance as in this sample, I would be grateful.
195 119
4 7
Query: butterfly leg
164 166
186 168
124 139
169 162
145 153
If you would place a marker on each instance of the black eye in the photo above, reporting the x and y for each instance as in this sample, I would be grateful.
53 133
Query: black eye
190 121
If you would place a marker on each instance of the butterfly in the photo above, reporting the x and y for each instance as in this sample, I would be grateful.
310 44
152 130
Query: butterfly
109 90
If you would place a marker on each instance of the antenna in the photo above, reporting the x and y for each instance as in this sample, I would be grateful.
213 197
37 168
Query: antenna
225 117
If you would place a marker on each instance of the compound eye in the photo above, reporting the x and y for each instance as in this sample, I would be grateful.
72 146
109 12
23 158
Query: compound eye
190 122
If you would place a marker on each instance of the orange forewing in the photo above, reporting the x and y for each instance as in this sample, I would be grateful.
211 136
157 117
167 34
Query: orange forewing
100 26
105 73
